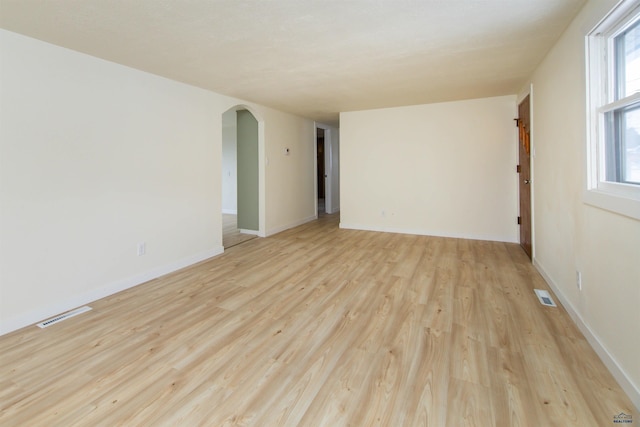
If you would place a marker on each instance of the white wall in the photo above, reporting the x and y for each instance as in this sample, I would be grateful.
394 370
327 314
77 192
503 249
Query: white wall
335 170
441 169
289 179
96 157
571 235
229 163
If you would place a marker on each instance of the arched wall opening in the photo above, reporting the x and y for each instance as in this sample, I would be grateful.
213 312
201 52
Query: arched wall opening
242 169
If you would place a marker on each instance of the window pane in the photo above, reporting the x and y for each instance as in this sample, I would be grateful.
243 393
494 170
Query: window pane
630 149
622 150
628 61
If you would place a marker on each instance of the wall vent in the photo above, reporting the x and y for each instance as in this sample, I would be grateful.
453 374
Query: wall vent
63 316
545 298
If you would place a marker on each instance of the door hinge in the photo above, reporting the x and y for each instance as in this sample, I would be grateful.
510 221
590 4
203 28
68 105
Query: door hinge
517 122
518 168
518 220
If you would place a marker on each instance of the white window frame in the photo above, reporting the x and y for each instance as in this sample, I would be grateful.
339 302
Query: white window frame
617 197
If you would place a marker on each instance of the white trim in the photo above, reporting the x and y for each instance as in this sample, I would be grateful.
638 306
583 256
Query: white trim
607 358
276 230
612 203
230 211
37 315
620 198
420 232
328 171
252 232
621 103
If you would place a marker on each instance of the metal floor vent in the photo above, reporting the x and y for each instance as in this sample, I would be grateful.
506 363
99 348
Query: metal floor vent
63 316
545 298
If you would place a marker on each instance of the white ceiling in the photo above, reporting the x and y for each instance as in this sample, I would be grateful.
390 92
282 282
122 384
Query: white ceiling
314 58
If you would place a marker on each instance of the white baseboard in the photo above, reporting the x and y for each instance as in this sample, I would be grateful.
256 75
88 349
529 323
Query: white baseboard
230 211
252 232
34 316
607 358
279 229
508 239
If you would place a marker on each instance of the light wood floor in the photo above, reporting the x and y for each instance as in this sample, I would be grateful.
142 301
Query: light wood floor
318 326
231 235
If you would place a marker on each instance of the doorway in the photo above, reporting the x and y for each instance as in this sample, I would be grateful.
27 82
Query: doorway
524 174
321 170
240 177
247 146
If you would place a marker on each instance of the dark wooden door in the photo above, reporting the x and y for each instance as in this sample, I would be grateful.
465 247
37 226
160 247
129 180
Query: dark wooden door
524 150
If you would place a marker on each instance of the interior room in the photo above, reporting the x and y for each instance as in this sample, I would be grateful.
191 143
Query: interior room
320 213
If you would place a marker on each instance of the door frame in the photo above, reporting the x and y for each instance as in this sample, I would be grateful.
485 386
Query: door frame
532 155
328 168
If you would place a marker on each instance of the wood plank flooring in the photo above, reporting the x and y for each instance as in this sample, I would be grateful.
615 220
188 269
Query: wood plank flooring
231 235
318 326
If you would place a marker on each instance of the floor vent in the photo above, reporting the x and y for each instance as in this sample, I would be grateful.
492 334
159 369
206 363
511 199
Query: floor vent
545 298
63 316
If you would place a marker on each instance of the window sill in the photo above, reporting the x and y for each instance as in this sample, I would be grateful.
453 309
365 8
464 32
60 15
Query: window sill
613 203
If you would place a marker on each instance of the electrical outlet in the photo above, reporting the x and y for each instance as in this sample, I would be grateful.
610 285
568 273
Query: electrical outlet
142 248
579 280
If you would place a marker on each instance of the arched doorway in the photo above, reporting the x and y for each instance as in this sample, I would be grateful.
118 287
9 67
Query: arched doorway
240 176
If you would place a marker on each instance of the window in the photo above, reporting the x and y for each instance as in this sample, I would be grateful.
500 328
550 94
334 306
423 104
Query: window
613 79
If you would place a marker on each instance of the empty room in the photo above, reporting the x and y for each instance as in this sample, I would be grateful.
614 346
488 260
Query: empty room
319 213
